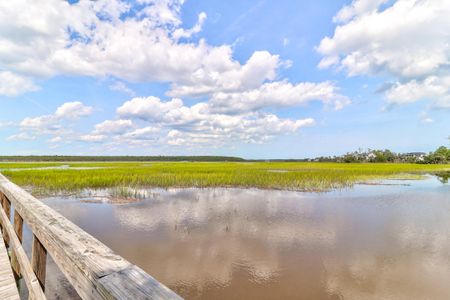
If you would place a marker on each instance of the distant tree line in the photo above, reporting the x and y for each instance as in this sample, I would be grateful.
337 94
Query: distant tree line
440 156
63 158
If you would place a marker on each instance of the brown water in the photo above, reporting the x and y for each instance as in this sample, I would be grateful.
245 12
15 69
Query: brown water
369 242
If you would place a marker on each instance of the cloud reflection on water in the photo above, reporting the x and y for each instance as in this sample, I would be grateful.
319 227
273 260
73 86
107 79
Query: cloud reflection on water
373 242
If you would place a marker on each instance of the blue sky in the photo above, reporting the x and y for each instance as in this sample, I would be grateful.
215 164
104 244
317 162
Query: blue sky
256 79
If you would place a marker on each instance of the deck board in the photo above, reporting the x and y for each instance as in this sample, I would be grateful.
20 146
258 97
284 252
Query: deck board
8 288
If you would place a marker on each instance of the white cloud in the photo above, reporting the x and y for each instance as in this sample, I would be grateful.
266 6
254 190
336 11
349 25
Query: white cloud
73 110
163 12
197 125
402 40
407 40
33 32
47 38
220 73
432 87
56 139
121 132
148 108
48 123
278 94
225 130
7 124
145 133
23 136
93 138
53 124
358 8
113 127
13 84
119 86
425 118
183 33
43 124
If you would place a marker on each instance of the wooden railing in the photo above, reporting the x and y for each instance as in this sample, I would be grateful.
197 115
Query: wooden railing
91 267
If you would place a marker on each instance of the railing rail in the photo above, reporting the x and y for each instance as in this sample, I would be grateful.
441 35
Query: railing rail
93 269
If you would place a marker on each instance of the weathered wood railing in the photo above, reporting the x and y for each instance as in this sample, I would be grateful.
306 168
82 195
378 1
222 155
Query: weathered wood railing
91 267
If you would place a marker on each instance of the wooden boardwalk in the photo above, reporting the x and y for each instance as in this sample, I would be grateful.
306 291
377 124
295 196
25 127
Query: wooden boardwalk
8 287
93 269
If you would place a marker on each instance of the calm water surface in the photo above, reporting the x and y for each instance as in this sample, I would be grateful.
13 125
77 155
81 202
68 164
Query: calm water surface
369 242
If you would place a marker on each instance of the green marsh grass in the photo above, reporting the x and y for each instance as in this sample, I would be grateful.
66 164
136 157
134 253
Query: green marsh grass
270 175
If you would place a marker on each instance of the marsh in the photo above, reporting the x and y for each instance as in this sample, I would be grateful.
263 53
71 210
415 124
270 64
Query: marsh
389 240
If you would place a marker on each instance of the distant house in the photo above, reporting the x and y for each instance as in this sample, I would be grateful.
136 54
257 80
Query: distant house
418 156
370 156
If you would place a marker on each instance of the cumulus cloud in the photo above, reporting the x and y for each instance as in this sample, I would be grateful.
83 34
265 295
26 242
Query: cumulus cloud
407 40
93 138
73 110
199 125
113 127
163 12
187 33
149 108
13 84
23 136
42 123
221 74
255 129
119 133
432 87
48 38
357 8
52 124
279 94
119 86
145 133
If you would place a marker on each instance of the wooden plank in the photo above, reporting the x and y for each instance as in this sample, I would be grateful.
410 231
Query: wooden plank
142 286
84 260
18 228
39 261
34 289
7 207
8 288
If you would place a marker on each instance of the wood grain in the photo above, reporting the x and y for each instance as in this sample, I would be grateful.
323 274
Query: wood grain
18 228
39 261
8 288
7 208
34 289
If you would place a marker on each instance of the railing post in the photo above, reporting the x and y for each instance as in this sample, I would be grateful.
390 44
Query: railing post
7 208
39 261
18 228
1 207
